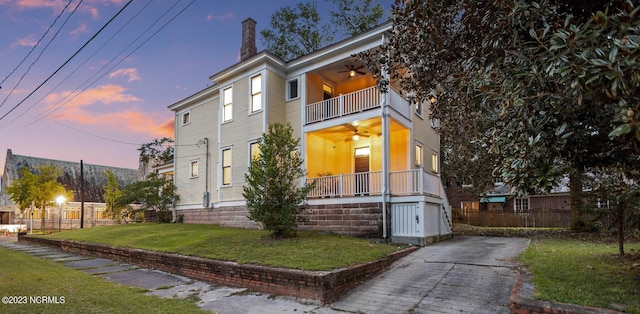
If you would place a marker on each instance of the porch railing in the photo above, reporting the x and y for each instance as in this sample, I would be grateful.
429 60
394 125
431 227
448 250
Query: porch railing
343 105
407 182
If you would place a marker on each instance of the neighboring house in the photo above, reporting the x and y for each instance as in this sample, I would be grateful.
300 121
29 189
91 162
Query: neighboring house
374 156
94 180
502 198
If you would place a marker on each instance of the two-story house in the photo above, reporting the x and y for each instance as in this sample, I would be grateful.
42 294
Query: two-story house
374 156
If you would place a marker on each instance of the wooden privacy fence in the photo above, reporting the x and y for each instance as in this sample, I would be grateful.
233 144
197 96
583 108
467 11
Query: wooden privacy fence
540 218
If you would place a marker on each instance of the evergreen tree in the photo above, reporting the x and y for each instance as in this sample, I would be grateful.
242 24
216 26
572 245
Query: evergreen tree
273 192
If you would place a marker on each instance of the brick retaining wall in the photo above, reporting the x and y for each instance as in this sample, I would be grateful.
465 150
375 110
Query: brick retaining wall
320 286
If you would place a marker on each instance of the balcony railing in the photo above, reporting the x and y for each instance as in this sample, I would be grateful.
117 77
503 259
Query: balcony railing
343 105
408 182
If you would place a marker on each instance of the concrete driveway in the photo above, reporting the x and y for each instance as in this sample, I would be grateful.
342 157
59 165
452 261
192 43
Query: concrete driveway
461 275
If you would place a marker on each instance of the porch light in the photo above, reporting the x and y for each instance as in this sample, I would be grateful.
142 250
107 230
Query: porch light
433 99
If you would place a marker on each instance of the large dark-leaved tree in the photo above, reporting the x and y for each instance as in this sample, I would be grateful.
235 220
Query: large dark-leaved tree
299 30
274 193
546 88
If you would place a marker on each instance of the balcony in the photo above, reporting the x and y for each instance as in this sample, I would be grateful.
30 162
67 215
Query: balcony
343 105
407 182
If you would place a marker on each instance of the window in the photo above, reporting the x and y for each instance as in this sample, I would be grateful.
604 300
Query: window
435 123
434 162
363 151
193 169
419 155
470 205
603 203
521 204
254 151
186 118
327 91
292 89
419 109
227 104
226 166
256 93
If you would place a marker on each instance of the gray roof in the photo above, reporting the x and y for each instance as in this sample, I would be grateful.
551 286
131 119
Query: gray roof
94 177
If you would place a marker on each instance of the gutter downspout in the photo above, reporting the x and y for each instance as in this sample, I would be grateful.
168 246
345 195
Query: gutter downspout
206 173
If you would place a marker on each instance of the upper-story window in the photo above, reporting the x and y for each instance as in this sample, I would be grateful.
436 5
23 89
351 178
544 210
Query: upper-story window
419 154
193 169
435 161
186 118
292 89
419 109
256 93
227 104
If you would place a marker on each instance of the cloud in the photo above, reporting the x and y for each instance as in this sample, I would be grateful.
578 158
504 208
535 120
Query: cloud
110 106
131 73
28 41
226 16
56 6
81 29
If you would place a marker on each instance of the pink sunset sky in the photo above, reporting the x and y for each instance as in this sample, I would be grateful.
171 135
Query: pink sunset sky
113 95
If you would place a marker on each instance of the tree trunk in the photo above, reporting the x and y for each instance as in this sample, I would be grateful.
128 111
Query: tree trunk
620 213
575 191
42 213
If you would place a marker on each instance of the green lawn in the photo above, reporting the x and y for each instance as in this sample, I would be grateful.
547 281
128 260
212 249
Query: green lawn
23 275
584 272
308 251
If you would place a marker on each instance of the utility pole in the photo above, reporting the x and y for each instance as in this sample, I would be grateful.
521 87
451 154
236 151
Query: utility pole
81 194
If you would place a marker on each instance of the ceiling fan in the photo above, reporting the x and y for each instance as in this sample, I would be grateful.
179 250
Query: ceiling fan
356 136
353 70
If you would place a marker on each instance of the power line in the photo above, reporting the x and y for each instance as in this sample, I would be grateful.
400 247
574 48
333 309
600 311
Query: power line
53 108
110 139
68 60
36 45
73 94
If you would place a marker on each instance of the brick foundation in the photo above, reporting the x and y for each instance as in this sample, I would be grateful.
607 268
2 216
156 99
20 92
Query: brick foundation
228 216
360 220
319 286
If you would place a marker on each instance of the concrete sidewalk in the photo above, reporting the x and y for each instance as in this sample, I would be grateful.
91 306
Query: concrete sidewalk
462 275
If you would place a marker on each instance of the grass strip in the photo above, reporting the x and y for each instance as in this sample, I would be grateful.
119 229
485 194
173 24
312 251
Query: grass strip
24 278
308 251
584 273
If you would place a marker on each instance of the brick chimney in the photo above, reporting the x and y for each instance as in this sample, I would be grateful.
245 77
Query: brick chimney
248 48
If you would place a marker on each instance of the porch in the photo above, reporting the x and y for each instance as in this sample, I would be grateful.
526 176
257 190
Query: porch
354 102
401 183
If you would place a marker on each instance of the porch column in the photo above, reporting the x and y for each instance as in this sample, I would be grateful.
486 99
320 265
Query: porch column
385 154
